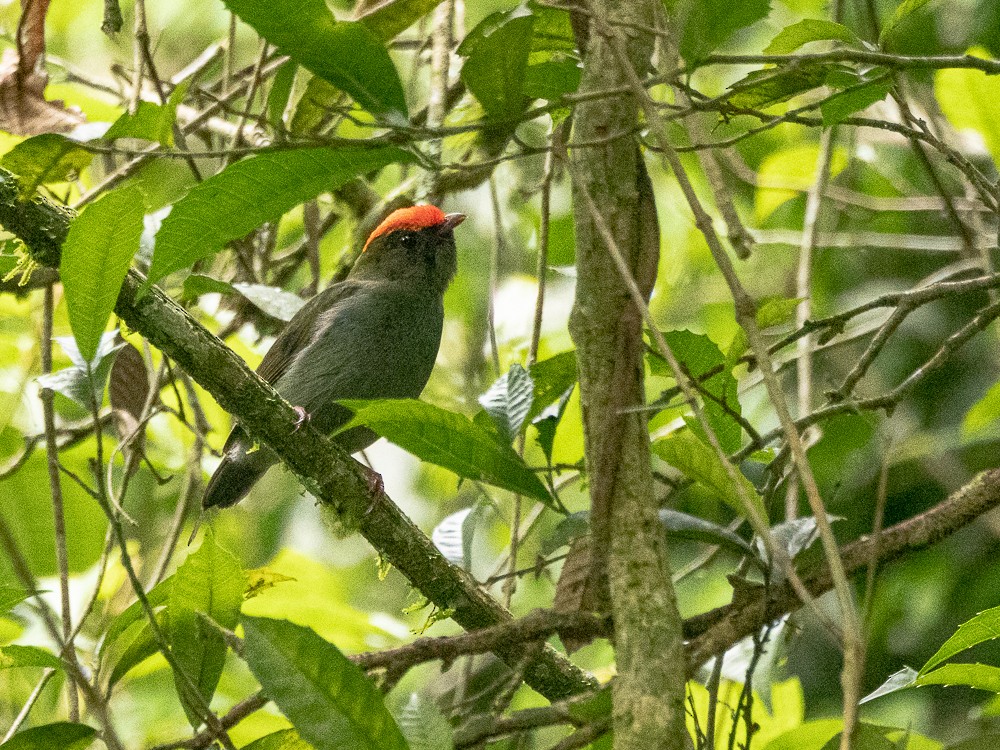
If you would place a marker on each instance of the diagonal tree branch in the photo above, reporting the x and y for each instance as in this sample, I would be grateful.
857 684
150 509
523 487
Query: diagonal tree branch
329 472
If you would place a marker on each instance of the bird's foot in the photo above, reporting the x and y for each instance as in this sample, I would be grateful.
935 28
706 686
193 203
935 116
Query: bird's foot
304 417
376 487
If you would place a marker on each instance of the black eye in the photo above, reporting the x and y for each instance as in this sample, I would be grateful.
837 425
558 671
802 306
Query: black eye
407 239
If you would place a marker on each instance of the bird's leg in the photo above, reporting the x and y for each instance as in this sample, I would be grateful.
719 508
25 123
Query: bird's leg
304 417
373 479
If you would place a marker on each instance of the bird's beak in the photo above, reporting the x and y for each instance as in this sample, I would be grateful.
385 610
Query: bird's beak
450 222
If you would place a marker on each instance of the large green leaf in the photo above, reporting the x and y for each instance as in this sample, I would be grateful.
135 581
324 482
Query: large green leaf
552 378
210 582
150 122
968 99
903 11
330 701
62 735
45 158
983 627
706 24
96 255
809 30
11 596
496 64
979 676
251 192
348 54
27 656
283 739
450 440
698 462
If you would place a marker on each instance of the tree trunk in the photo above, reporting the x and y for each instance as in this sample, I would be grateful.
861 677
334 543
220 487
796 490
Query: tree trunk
627 540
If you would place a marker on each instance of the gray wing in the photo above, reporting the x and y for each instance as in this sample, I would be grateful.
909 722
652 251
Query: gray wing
301 329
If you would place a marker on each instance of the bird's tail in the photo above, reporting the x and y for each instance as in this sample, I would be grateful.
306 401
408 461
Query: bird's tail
240 469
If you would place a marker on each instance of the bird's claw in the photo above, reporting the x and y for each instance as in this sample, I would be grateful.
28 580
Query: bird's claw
376 487
304 417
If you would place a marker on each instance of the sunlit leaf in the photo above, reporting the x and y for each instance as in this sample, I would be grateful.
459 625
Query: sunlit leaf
968 99
698 462
45 158
331 702
96 256
27 656
63 735
253 191
903 11
390 18
348 54
209 582
978 676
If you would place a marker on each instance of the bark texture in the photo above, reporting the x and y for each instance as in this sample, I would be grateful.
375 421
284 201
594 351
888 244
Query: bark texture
627 538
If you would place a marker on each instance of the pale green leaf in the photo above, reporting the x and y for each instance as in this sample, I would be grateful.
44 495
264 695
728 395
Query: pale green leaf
809 30
96 255
63 735
329 700
985 626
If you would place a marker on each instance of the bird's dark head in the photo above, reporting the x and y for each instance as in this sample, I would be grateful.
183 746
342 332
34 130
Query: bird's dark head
412 244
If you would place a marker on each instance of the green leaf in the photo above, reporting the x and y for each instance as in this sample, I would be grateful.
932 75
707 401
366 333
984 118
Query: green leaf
284 739
865 737
843 105
698 462
809 30
449 440
552 378
903 11
777 310
552 79
765 88
134 646
132 614
210 582
390 18
280 92
329 700
151 122
979 676
496 64
84 381
982 415
198 284
985 626
698 355
247 194
275 302
706 24
27 656
424 725
968 99
45 158
684 526
96 255
348 54
10 597
508 400
548 421
62 734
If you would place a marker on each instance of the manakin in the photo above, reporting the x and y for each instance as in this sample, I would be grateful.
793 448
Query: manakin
373 335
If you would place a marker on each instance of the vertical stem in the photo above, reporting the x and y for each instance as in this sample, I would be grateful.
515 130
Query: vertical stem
441 43
803 290
55 486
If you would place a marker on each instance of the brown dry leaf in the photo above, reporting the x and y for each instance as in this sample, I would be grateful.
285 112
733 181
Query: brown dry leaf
24 110
578 591
128 389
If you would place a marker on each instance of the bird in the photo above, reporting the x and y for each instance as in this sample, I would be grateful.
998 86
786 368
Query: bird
375 334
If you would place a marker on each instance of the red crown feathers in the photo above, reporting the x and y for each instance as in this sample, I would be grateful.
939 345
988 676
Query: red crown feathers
414 217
